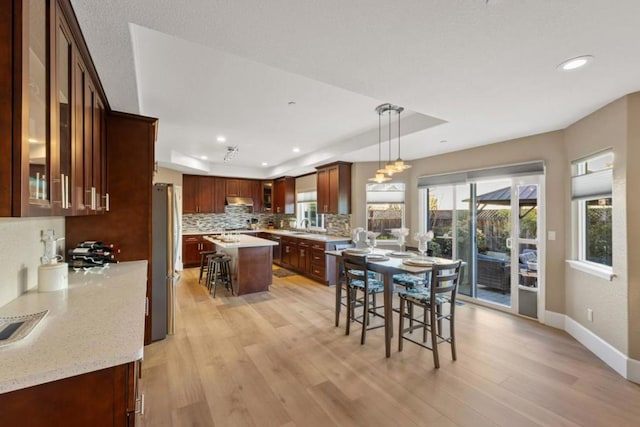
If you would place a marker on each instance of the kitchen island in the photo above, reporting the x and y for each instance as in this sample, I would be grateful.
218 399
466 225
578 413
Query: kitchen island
251 260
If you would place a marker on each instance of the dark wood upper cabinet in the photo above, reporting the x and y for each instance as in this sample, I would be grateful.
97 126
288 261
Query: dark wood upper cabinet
284 195
207 194
189 194
239 187
266 193
219 194
198 194
334 188
256 196
56 114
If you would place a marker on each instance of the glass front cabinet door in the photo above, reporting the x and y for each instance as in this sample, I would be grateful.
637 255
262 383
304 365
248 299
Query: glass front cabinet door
58 162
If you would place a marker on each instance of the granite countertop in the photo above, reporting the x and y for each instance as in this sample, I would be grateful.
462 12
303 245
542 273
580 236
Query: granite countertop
97 323
243 241
309 236
217 232
290 233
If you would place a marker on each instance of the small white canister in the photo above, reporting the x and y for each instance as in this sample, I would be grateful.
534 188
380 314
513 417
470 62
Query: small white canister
53 277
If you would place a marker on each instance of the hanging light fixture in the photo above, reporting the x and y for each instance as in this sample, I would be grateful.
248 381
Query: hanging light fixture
399 165
379 176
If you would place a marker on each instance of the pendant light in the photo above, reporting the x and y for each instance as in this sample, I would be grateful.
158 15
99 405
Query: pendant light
399 165
379 176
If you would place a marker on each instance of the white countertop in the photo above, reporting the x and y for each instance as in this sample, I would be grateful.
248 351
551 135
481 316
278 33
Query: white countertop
98 322
243 241
289 233
309 236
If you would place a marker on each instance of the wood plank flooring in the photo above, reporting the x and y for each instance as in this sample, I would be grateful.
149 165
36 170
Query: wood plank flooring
276 359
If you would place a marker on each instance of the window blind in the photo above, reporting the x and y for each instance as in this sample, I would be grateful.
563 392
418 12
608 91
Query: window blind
594 185
522 169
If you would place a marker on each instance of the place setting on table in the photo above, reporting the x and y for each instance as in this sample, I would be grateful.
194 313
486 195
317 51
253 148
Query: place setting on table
387 263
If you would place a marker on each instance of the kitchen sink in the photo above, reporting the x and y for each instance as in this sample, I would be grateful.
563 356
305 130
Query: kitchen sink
297 233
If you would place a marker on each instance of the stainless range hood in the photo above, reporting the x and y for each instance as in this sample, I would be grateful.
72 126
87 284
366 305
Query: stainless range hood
239 201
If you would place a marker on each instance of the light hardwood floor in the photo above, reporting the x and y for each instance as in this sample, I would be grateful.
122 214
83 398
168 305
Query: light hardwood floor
276 359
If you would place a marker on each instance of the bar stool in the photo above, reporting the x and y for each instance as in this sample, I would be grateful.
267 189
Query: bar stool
219 270
203 265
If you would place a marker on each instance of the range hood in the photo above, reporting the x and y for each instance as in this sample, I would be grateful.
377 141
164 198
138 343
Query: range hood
239 201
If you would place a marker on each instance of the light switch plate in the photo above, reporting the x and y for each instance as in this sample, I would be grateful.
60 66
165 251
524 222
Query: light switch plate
551 235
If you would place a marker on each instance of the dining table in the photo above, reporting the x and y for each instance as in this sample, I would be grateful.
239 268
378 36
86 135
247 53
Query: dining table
387 265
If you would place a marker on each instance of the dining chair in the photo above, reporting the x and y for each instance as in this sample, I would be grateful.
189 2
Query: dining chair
438 303
358 281
341 281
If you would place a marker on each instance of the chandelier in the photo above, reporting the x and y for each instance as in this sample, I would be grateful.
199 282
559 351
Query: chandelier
390 167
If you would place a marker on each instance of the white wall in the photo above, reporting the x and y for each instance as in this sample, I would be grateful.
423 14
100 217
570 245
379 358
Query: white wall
603 129
20 252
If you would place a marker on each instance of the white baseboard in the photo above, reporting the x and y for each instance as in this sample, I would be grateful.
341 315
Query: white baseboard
619 362
555 320
633 370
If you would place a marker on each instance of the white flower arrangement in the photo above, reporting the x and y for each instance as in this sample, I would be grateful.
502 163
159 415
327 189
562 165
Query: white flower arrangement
424 237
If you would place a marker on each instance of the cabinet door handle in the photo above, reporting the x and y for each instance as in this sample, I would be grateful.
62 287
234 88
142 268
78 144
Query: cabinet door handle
106 202
62 202
66 191
146 306
93 198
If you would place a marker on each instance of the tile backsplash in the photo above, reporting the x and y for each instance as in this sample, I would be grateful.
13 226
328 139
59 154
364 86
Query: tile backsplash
236 217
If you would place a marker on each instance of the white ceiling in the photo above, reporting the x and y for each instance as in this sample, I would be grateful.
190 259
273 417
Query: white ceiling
468 72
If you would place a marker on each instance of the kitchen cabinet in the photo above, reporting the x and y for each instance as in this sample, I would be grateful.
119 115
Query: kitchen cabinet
289 254
130 150
51 121
307 257
256 196
334 188
276 250
198 194
108 397
317 263
239 188
304 256
192 245
219 196
284 195
266 194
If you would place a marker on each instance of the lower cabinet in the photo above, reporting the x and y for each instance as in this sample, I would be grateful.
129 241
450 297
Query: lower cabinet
192 245
307 257
317 264
108 397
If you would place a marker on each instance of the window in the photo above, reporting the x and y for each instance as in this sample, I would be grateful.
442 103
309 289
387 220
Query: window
385 209
307 210
591 188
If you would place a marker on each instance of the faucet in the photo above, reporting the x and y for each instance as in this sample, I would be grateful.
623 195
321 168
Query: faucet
304 223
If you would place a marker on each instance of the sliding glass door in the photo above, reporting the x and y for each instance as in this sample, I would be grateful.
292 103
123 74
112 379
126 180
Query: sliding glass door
492 225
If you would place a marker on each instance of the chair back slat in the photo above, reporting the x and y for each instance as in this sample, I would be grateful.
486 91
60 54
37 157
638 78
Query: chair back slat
445 279
355 268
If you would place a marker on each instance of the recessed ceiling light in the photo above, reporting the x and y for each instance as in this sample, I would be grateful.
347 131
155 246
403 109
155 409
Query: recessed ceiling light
204 157
291 103
575 63
443 141
221 139
264 163
296 150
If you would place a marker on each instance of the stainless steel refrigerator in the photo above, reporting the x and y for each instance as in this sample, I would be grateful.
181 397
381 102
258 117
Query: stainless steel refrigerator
165 244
